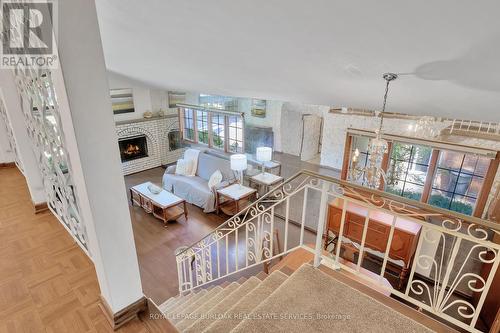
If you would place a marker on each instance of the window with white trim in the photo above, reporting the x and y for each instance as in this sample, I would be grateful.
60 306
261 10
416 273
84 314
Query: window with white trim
202 126
219 130
188 124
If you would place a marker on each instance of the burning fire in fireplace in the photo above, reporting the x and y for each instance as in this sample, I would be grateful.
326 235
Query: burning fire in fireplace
133 147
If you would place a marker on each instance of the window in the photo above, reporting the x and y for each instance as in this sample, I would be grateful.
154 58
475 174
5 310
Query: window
408 169
361 144
202 126
219 102
235 126
217 130
458 181
188 115
218 126
453 181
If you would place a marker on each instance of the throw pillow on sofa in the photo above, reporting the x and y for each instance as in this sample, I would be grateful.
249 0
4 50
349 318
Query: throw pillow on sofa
215 179
181 167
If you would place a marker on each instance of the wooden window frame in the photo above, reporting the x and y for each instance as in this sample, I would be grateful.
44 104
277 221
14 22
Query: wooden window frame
183 126
412 155
225 114
236 139
482 198
460 172
208 129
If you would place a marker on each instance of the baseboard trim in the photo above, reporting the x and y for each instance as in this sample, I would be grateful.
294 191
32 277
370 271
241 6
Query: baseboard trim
40 207
117 320
8 165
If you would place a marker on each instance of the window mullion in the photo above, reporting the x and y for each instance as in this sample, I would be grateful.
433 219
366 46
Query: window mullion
209 129
226 133
195 126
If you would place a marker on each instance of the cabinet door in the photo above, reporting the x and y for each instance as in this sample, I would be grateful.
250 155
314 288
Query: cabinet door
334 219
400 246
376 234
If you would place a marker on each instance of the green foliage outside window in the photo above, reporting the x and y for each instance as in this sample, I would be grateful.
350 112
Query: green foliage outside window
203 137
457 206
407 194
189 133
400 152
217 140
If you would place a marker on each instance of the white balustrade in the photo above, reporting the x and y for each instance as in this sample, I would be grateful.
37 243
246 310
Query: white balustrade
246 240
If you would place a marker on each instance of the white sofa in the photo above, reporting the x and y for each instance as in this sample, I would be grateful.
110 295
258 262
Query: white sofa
194 189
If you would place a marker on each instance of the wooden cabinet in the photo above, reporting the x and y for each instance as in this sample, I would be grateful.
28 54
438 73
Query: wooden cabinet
405 237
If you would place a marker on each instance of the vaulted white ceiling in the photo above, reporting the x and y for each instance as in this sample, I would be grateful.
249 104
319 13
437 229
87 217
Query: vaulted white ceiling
330 52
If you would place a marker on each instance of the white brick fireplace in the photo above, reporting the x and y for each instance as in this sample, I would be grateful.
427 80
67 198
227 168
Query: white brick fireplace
157 131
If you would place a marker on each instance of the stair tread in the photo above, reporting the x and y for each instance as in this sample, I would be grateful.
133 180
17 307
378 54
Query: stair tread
168 302
311 291
180 315
178 302
246 304
180 309
221 308
202 309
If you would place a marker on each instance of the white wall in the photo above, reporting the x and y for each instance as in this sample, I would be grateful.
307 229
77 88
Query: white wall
143 100
272 118
291 124
92 145
6 153
335 129
146 98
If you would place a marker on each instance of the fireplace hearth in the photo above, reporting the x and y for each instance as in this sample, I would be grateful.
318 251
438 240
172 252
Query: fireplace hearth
132 148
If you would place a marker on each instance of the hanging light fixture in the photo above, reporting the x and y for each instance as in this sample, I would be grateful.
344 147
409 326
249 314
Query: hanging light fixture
372 173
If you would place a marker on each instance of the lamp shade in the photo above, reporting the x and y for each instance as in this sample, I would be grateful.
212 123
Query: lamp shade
238 162
264 154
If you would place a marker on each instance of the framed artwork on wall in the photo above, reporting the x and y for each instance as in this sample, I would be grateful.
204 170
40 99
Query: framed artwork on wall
175 97
259 108
122 100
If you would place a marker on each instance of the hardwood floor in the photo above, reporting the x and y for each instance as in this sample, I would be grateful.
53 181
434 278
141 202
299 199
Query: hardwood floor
47 283
156 244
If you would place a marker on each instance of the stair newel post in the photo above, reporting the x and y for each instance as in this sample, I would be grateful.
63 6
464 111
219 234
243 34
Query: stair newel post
321 222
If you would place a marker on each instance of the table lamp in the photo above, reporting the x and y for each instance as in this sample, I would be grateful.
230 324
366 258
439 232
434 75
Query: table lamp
239 163
264 154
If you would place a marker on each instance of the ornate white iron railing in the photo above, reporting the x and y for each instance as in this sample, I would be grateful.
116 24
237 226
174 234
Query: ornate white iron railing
44 127
472 126
10 136
444 278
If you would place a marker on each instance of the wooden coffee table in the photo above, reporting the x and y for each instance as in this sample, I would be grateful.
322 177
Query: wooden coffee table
165 206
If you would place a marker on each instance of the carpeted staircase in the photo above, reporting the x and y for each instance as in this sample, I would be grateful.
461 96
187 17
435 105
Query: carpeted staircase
308 300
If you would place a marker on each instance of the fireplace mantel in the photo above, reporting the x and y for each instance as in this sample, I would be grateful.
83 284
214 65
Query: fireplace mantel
140 120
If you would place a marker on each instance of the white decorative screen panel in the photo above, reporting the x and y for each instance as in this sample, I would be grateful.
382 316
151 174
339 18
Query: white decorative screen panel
10 136
43 123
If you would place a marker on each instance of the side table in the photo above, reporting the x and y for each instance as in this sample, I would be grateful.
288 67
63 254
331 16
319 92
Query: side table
232 199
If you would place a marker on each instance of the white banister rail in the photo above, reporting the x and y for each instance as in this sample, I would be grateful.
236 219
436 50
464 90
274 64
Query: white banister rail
447 283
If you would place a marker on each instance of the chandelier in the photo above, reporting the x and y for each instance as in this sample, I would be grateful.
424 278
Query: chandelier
372 173
425 127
